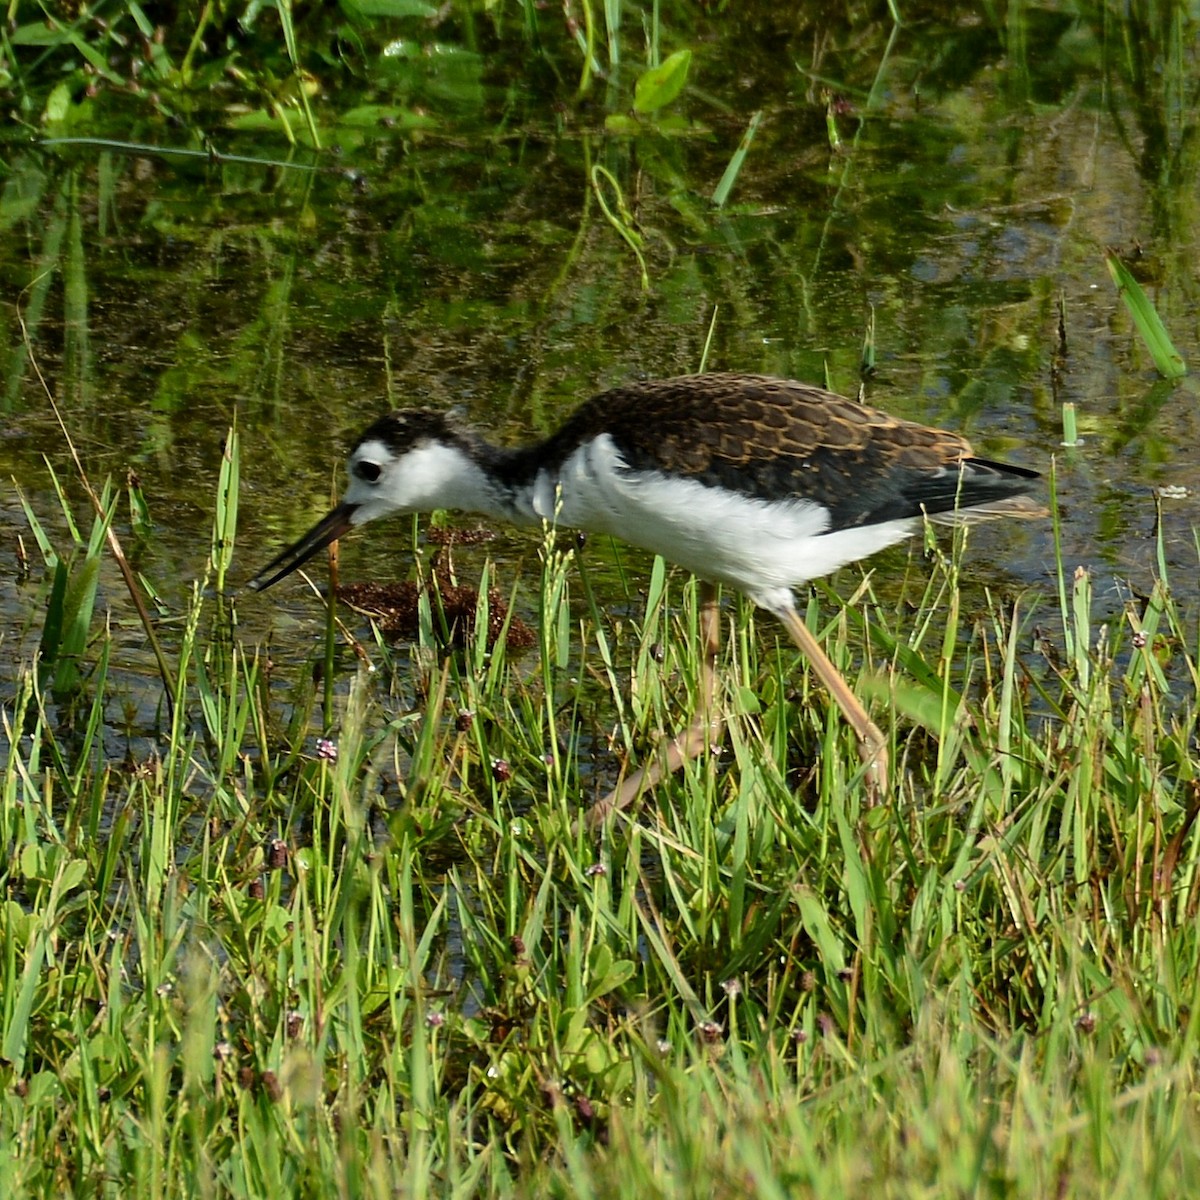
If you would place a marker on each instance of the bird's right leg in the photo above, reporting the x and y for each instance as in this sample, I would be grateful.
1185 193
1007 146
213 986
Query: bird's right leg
872 746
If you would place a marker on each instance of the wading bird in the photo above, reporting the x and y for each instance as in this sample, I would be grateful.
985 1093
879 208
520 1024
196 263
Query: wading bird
756 482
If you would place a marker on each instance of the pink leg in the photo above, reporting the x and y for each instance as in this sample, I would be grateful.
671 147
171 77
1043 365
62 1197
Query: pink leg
872 747
704 731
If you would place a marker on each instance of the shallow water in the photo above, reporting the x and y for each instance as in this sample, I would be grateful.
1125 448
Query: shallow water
980 172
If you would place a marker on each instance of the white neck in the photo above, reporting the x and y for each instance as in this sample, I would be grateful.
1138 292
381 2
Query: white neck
446 477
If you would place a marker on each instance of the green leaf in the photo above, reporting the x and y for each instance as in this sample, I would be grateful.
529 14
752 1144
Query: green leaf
224 529
607 972
393 8
139 510
32 862
58 103
73 874
621 124
77 608
16 1034
815 919
38 33
374 117
52 627
1167 359
660 85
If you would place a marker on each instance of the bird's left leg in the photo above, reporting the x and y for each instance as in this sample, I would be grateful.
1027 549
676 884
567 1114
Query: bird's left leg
704 731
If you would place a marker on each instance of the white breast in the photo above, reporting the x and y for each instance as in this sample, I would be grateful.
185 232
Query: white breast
763 548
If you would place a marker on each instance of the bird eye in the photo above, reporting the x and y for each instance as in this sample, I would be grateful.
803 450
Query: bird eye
367 471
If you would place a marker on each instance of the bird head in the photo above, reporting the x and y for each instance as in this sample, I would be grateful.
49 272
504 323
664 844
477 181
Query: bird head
409 461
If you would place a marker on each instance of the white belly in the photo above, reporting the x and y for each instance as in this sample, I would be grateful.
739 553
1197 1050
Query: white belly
763 548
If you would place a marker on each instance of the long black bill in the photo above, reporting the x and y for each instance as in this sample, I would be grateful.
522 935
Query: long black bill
327 530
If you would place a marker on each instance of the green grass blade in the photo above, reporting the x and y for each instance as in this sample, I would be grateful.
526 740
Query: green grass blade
224 531
730 175
1167 360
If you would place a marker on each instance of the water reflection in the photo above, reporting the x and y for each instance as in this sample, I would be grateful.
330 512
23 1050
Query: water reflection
980 168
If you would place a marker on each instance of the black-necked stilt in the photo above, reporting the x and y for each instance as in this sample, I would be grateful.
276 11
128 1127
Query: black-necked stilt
756 482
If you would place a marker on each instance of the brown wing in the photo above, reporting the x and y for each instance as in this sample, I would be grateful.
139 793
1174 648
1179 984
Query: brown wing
775 439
